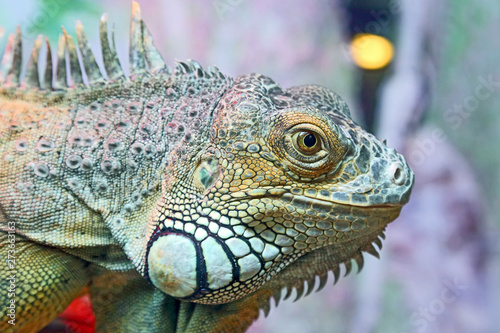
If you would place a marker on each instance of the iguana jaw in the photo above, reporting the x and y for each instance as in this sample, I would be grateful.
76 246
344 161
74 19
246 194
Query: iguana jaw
241 238
182 264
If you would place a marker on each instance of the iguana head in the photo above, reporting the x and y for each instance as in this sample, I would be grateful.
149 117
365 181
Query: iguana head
281 173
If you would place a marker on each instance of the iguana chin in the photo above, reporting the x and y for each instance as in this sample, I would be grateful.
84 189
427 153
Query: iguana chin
184 200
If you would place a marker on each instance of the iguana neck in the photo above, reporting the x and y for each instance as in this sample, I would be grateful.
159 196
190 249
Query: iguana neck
136 130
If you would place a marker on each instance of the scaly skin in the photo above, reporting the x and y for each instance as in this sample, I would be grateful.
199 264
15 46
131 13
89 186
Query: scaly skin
186 200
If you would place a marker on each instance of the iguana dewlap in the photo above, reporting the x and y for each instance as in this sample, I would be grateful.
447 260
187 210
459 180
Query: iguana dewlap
184 199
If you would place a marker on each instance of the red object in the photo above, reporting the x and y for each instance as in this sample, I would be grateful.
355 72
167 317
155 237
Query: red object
79 316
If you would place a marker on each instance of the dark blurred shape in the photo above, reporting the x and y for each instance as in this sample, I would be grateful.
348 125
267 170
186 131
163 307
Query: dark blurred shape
379 18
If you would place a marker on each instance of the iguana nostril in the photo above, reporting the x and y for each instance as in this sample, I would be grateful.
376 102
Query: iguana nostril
398 174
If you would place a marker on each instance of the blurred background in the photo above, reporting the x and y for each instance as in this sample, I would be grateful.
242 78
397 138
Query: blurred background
423 74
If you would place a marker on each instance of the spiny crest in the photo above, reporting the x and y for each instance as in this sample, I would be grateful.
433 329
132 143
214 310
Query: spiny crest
305 287
143 55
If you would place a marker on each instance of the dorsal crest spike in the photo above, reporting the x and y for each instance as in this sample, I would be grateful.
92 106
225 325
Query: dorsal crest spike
31 80
154 59
2 34
46 82
209 72
136 52
12 60
219 73
61 79
109 56
144 58
7 58
75 72
89 64
197 67
179 69
183 68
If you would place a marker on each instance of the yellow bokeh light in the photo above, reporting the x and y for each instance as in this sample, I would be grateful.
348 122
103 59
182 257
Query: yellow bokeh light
371 51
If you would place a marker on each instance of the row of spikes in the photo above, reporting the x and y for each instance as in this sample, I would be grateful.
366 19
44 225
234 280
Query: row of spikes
308 286
143 57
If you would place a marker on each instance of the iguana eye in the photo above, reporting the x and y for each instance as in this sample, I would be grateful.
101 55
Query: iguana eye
307 142
308 146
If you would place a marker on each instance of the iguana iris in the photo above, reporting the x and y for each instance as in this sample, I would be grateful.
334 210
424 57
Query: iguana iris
182 199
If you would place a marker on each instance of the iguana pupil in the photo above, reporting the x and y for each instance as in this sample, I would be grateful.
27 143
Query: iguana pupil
310 140
308 143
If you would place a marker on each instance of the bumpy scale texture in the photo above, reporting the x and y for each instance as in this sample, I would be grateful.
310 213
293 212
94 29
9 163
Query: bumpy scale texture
183 200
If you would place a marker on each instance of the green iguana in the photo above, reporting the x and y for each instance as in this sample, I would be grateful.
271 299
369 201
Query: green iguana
183 200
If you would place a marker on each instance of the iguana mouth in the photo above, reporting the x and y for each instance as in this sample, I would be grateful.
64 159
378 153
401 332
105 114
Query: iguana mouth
329 204
306 195
320 205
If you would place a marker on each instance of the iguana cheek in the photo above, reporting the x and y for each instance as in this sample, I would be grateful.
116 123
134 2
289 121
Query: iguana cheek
172 265
177 268
218 266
